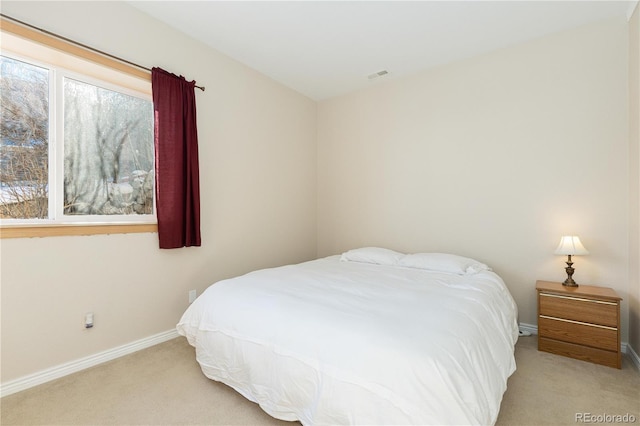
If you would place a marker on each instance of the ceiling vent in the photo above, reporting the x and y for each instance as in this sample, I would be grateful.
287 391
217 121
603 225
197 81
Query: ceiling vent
377 74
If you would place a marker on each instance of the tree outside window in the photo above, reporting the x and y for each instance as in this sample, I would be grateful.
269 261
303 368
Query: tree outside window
102 169
24 140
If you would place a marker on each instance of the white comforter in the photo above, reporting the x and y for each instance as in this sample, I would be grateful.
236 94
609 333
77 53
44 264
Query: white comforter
333 342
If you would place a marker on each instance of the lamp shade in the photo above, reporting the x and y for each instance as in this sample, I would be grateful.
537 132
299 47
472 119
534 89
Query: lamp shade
570 244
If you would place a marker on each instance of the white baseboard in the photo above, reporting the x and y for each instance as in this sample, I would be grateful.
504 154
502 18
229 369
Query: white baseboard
633 356
624 346
62 370
530 328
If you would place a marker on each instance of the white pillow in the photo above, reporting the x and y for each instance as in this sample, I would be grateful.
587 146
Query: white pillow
443 262
377 255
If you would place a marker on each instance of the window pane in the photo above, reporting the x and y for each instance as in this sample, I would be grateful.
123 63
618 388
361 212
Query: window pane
24 140
108 151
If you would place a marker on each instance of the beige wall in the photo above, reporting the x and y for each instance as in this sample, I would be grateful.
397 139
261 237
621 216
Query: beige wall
258 189
494 157
634 181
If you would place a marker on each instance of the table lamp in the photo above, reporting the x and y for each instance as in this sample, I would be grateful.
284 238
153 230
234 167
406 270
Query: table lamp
571 246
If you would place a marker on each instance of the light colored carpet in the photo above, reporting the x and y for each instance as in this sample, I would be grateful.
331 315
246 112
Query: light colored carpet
548 389
163 385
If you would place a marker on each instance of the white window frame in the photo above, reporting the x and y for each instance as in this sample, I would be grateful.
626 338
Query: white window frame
58 215
139 86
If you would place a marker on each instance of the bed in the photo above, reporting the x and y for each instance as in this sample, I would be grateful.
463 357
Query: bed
371 336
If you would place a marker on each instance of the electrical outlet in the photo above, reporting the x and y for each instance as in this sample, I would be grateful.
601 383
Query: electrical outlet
192 296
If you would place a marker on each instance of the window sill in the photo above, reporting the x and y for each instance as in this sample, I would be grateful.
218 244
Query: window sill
30 231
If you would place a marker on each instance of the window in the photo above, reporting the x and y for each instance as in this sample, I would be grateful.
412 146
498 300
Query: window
76 141
24 143
108 152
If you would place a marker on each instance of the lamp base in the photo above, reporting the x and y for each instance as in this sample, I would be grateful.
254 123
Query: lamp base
569 282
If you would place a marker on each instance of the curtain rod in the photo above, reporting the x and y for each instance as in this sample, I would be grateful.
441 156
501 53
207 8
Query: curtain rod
84 46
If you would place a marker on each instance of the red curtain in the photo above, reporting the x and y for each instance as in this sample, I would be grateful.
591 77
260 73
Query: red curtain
177 171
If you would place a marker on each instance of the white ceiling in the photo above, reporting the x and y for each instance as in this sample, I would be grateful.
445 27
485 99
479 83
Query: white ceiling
327 48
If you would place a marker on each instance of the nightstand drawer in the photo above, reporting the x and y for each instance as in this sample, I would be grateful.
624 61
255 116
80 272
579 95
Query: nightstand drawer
579 309
599 356
580 333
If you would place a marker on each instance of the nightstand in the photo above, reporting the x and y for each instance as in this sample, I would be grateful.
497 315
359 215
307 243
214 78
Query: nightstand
579 322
